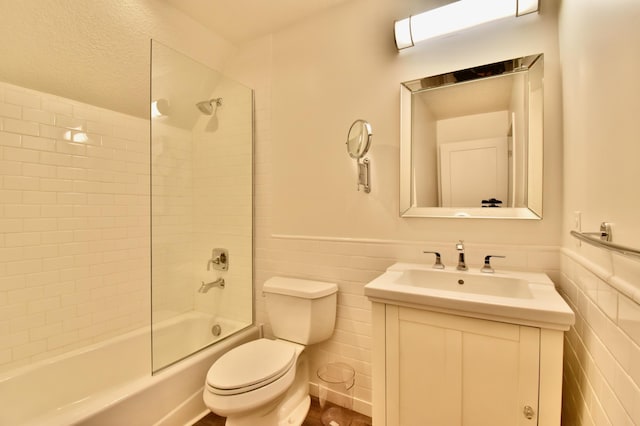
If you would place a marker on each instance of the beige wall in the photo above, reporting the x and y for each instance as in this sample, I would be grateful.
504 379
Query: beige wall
600 59
319 76
342 65
424 156
313 79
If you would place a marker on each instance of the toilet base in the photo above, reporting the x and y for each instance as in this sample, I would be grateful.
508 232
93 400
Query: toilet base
300 412
295 417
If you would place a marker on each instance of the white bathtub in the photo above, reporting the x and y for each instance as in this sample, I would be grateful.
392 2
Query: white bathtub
110 384
179 337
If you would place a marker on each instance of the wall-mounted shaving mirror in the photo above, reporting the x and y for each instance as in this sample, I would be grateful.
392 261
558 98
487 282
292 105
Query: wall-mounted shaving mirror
359 139
358 142
471 142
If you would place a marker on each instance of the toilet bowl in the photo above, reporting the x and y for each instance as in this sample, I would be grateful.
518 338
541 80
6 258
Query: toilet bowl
266 382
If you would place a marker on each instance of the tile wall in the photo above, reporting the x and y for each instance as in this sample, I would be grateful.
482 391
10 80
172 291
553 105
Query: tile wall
74 224
223 209
352 264
172 274
601 369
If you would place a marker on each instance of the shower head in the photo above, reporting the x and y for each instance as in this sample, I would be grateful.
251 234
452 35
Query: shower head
209 107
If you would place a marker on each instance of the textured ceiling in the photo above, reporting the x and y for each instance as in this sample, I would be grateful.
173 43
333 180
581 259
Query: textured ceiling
97 51
241 20
89 51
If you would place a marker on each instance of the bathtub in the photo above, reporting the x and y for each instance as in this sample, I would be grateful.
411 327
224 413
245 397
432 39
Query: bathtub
179 337
110 384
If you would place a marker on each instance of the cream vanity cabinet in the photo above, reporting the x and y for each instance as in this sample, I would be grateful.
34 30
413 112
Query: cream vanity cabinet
432 368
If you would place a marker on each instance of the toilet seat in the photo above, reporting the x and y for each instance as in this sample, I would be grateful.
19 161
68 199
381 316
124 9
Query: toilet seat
250 366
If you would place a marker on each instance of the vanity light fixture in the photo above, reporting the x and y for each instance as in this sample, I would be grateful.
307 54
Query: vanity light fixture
457 16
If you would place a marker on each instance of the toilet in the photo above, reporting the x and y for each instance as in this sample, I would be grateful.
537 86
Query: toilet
265 382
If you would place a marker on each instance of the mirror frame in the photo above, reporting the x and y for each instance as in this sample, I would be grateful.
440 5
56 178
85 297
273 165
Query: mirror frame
407 89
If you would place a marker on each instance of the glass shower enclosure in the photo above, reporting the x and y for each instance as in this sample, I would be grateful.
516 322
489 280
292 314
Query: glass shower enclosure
201 206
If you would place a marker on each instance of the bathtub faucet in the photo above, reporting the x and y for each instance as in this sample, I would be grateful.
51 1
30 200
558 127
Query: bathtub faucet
219 259
205 287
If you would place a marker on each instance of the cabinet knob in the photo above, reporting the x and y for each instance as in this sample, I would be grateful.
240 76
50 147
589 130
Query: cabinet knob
528 412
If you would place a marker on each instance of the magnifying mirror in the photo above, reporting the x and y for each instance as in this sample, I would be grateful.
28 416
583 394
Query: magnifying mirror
358 142
359 139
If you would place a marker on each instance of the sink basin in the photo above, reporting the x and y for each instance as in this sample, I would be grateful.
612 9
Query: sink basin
525 298
464 282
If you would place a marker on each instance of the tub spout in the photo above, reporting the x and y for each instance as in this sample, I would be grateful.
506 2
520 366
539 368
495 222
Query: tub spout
205 287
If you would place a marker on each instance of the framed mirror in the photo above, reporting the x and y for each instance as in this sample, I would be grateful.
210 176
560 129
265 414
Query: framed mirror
471 142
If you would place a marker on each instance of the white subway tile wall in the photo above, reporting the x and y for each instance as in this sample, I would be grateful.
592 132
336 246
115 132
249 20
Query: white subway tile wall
352 264
202 186
223 186
74 224
173 278
601 372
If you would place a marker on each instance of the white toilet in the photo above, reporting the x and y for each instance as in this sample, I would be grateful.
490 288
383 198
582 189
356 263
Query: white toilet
266 382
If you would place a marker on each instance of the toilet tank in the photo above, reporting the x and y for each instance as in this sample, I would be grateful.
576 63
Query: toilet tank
301 311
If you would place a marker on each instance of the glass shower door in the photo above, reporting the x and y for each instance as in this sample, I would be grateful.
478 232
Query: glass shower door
201 206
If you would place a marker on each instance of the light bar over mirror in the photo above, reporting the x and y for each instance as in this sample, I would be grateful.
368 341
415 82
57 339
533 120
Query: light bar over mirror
457 16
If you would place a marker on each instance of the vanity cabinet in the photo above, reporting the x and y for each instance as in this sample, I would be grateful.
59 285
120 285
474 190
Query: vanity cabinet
439 368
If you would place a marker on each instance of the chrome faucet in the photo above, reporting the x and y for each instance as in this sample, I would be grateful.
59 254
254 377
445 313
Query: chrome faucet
438 264
462 266
219 259
205 287
487 269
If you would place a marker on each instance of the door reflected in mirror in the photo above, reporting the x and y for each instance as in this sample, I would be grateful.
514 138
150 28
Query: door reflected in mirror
471 142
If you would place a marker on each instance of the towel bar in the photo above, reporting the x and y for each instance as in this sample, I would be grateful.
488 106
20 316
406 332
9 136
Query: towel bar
604 240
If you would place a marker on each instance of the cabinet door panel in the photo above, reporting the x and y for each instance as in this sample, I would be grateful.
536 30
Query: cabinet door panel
451 370
490 370
436 391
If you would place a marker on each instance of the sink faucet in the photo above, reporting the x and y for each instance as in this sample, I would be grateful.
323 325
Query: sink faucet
461 265
205 287
438 264
487 269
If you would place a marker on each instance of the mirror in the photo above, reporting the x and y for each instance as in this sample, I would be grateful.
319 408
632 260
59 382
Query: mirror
358 142
471 142
359 139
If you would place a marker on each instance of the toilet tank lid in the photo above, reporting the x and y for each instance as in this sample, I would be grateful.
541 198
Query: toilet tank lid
297 287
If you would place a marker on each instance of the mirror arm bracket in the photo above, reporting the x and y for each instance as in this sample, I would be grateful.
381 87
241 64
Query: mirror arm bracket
364 175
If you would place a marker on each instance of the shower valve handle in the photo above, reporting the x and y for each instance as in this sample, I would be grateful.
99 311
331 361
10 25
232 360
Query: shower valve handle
219 259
